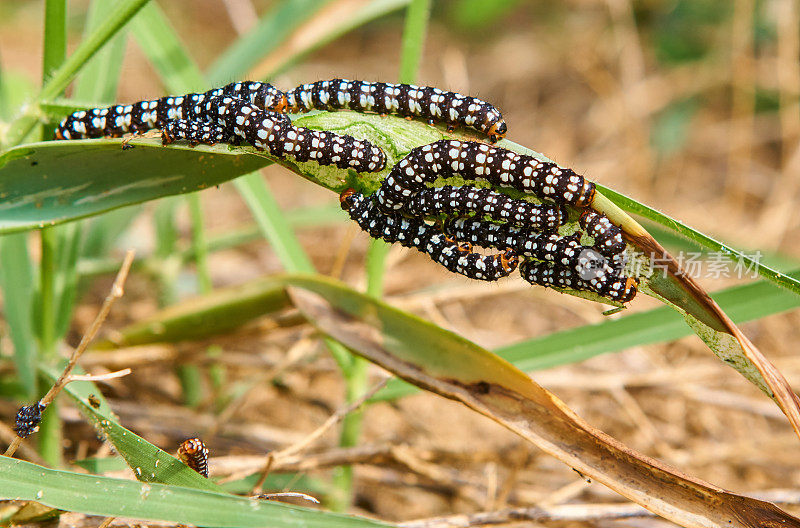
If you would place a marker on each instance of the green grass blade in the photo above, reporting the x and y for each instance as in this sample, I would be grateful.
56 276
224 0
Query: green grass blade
92 494
270 219
207 315
124 11
55 36
16 278
57 181
744 303
271 30
630 205
158 40
99 78
327 28
416 26
61 78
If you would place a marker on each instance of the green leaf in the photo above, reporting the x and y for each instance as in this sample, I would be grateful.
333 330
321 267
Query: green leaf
96 495
57 181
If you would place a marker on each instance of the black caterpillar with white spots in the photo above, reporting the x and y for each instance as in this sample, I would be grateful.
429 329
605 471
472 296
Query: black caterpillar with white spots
411 232
545 274
586 268
477 161
231 119
407 100
458 201
607 236
118 120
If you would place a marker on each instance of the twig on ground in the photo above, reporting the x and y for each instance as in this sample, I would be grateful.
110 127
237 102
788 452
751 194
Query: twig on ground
29 416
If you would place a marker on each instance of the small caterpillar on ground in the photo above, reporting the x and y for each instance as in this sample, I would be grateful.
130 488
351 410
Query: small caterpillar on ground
117 120
411 232
228 118
194 453
408 100
449 200
478 161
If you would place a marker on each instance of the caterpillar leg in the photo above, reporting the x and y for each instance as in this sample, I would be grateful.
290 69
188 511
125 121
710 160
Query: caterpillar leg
195 132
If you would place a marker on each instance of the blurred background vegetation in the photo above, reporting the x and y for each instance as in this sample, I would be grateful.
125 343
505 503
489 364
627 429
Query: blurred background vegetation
690 106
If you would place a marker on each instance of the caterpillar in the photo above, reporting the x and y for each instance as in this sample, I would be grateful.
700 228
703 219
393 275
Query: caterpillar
478 161
620 289
406 100
194 453
411 232
607 236
227 118
117 120
585 268
28 419
449 200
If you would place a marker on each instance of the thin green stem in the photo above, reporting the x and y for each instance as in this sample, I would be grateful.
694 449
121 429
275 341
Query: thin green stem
199 244
66 72
47 291
50 433
414 32
55 46
55 36
356 375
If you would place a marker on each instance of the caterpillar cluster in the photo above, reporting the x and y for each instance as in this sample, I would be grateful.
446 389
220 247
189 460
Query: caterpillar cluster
253 113
431 104
415 233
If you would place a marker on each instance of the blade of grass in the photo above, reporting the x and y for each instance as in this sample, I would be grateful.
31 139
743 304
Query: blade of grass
51 240
632 206
330 23
99 78
270 219
60 78
271 30
16 280
91 494
55 36
743 303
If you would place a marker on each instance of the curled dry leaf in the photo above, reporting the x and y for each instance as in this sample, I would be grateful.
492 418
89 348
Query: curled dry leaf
705 316
455 368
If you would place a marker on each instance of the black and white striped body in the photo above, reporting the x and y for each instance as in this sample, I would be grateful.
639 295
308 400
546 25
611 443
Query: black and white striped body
564 255
478 161
426 102
415 233
458 201
142 116
232 119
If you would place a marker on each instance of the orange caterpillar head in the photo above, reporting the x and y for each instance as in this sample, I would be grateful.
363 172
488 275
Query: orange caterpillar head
631 287
509 260
345 198
497 131
585 194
